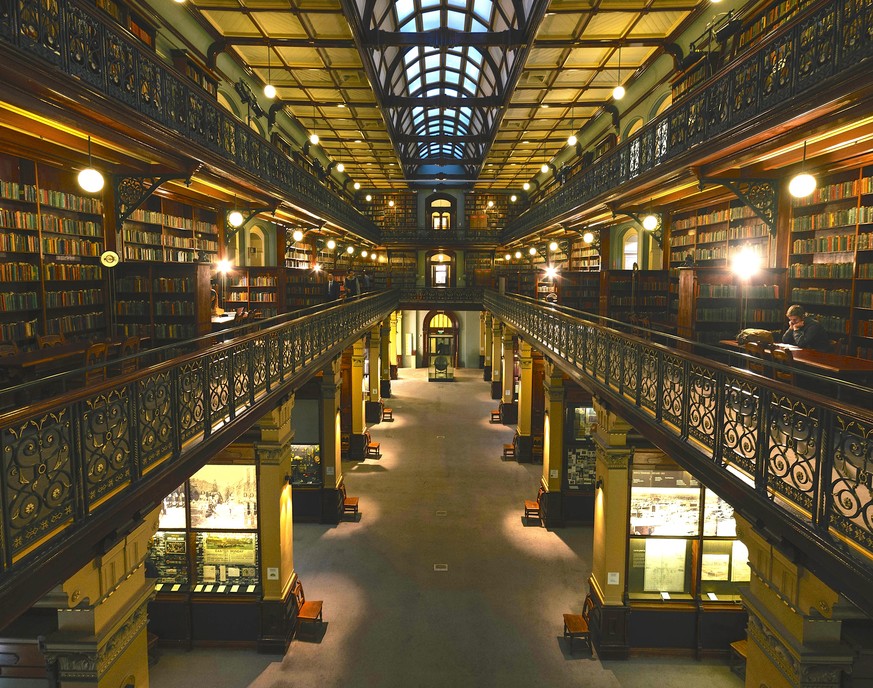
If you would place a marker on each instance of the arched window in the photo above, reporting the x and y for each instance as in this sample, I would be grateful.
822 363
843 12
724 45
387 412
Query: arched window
630 249
634 127
441 211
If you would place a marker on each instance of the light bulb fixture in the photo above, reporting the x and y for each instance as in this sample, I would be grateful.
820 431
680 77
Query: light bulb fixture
572 140
490 204
508 257
650 222
588 237
90 179
517 255
532 251
350 250
331 244
313 139
356 186
526 186
553 246
746 263
364 253
235 218
368 198
269 89
317 267
551 272
297 235
340 168
223 266
544 168
618 92
390 204
513 198
373 256
803 183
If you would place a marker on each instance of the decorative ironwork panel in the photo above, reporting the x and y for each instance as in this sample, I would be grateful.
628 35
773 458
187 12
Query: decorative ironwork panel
816 47
794 445
672 390
190 400
649 379
258 352
740 424
174 114
662 139
151 90
776 68
718 106
851 481
154 407
39 25
630 356
702 405
614 359
85 47
746 88
241 384
218 378
7 20
121 70
634 159
38 480
856 29
105 439
696 121
678 119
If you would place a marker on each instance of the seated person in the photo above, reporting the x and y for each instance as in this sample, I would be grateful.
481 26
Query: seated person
804 331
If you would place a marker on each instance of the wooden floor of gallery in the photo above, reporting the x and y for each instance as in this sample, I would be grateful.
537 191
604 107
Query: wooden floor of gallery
439 494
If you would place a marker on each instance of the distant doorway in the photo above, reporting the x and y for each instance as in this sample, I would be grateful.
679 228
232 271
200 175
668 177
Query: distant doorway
441 335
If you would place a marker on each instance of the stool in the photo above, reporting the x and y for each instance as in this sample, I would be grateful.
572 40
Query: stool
508 451
373 451
495 416
738 657
388 415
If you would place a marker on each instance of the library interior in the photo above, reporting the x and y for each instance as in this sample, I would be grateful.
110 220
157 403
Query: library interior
240 240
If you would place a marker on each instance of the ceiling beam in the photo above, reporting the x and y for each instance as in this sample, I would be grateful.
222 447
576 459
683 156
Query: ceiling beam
443 37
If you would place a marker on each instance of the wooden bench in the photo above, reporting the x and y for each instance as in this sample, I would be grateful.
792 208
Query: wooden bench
387 415
576 625
350 504
738 657
495 416
508 451
532 507
308 612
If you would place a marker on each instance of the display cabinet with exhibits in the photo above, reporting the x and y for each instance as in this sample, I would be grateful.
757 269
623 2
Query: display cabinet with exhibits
207 540
682 543
306 465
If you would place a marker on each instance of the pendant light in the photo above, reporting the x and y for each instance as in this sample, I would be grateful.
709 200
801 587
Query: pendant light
571 139
90 179
269 89
618 92
802 184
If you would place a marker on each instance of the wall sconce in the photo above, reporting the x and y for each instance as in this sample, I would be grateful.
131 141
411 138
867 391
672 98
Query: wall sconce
598 484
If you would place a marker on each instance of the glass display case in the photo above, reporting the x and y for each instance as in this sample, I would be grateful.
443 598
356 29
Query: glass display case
581 453
682 542
306 465
207 537
441 358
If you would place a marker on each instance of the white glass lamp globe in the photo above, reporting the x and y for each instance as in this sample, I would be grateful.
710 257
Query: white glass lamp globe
364 253
517 255
618 92
572 140
368 198
350 250
513 198
650 222
526 186
545 168
357 186
90 180
802 185
553 246
235 218
298 235
331 244
270 91
532 251
588 237
313 139
508 256
340 168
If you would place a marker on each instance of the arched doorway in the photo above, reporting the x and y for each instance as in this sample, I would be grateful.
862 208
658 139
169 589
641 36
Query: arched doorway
441 337
441 269
440 212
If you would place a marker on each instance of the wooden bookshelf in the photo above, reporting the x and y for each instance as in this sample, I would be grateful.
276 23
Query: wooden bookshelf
163 230
580 290
402 269
478 268
639 293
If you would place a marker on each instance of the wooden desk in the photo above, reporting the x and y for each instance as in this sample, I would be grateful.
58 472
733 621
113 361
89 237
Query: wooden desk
219 322
28 361
850 368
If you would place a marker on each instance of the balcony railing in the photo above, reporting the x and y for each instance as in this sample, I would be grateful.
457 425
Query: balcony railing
434 237
796 464
73 461
822 48
469 296
82 43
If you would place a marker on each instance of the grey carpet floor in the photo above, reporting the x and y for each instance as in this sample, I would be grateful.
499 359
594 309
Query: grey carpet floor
439 495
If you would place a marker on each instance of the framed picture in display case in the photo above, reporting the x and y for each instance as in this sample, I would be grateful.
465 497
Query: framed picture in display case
223 497
664 502
659 565
226 562
306 465
169 554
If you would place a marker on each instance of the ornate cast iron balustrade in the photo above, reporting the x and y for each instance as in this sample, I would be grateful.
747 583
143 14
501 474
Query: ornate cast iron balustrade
796 463
468 296
449 237
66 460
819 49
83 44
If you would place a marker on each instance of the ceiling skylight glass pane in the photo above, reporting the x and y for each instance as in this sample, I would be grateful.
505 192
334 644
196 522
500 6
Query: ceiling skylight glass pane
469 85
472 71
430 20
453 61
414 85
432 61
453 77
408 26
477 26
410 56
483 9
404 8
455 20
451 92
412 71
430 3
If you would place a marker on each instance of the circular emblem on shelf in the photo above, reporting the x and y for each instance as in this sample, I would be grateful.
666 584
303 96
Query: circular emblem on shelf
441 363
109 259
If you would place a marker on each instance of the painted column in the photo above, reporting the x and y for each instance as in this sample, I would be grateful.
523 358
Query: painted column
609 556
553 446
508 407
523 438
331 443
102 641
395 350
276 530
795 621
373 405
357 441
386 337
496 350
482 330
489 348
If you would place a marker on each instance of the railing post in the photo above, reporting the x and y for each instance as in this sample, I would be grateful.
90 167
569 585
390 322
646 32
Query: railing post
823 496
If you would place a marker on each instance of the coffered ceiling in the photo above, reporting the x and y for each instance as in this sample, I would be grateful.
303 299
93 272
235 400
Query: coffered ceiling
469 92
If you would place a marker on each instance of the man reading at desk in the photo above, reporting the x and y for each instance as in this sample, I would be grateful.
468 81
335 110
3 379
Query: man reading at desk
804 331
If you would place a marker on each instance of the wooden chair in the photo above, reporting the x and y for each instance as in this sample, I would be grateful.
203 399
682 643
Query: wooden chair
757 365
372 450
532 507
94 356
784 368
45 341
838 346
387 415
8 348
495 416
508 451
577 625
350 504
308 612
129 349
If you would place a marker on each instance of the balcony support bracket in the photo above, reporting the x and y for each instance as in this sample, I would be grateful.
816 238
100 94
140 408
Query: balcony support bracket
757 194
